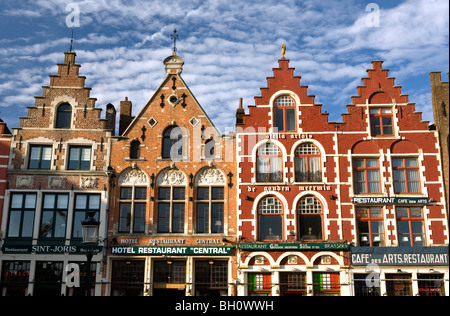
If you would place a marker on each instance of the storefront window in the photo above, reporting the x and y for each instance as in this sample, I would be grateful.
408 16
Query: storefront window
364 288
326 284
127 278
15 278
398 284
310 218
48 278
169 278
86 277
431 285
211 278
259 284
293 284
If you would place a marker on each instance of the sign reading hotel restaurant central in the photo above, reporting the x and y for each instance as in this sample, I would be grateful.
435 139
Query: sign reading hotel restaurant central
175 250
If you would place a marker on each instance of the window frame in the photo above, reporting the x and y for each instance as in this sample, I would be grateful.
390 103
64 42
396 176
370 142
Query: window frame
380 116
269 157
410 220
366 180
210 201
369 219
405 170
54 211
284 109
59 111
168 140
80 155
135 150
301 215
131 217
263 214
171 218
309 176
23 210
41 153
86 210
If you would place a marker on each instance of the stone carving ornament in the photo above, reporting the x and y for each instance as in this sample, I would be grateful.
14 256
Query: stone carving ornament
210 176
172 177
133 177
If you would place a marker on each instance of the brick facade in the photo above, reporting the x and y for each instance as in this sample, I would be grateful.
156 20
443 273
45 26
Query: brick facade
5 142
140 161
57 173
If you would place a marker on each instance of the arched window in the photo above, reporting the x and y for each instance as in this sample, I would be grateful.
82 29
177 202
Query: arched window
307 164
210 149
310 218
284 112
173 141
135 150
269 164
270 219
64 116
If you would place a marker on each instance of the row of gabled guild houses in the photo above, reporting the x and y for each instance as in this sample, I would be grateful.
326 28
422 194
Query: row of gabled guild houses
287 205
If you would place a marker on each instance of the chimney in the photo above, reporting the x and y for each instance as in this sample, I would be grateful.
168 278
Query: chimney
125 115
240 113
111 118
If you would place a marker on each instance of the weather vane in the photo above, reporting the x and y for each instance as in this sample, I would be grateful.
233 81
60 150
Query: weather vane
71 42
174 37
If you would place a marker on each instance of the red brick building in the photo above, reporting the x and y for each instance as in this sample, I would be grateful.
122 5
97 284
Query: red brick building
57 176
309 188
172 221
5 143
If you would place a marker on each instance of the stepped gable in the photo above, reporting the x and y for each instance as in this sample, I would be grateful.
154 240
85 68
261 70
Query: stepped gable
380 89
65 87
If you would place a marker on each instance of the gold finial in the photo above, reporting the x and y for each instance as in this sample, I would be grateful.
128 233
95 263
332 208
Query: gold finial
283 50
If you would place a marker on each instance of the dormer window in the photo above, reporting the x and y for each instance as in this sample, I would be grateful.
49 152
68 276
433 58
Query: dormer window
381 122
284 113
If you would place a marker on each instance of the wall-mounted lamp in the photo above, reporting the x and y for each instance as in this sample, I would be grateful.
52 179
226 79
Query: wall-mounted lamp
152 178
191 180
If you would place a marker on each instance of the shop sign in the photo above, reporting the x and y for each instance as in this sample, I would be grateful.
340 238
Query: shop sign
401 256
294 246
49 249
172 251
389 200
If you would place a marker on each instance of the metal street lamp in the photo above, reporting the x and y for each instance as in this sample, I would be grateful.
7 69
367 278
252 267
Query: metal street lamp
90 237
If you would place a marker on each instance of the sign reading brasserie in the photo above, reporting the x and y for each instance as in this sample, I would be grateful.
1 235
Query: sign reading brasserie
174 250
388 200
294 246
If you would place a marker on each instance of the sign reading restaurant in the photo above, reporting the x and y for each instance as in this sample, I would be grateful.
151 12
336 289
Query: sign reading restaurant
294 246
404 256
389 200
174 250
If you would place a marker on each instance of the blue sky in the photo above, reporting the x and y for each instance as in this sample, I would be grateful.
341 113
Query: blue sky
229 48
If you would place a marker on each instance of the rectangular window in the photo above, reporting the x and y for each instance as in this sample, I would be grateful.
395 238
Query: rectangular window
48 278
410 227
84 204
366 176
21 215
326 284
210 276
15 278
79 158
54 216
172 272
132 209
293 283
399 284
171 209
40 157
210 210
127 278
431 285
370 226
260 284
381 122
364 288
406 175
